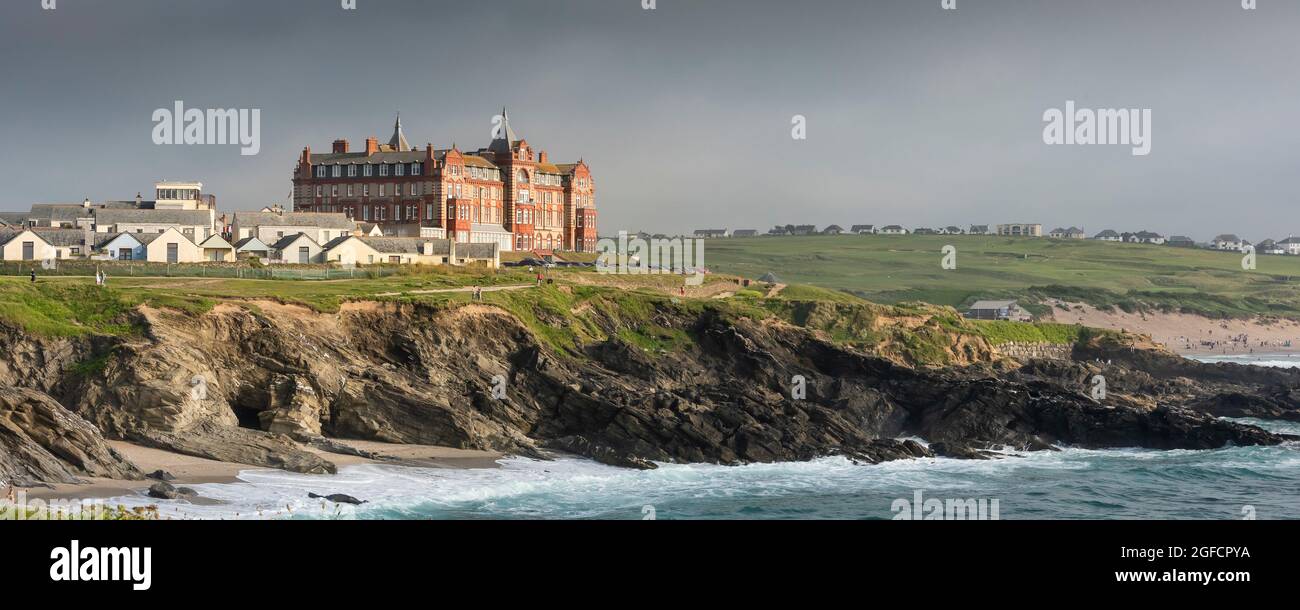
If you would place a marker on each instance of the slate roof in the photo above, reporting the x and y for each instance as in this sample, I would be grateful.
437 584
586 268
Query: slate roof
62 237
239 245
319 220
288 240
7 236
105 217
480 250
991 304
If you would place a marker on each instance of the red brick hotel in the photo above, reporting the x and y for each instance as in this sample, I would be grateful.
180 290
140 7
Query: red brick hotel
507 193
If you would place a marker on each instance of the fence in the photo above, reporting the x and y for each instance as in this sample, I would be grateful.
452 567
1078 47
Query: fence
236 271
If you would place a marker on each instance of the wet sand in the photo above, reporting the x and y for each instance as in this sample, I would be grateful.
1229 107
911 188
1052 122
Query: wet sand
190 470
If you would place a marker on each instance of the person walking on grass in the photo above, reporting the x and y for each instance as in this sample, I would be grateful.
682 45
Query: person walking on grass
33 275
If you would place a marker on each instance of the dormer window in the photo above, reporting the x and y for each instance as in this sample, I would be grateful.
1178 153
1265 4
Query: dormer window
320 171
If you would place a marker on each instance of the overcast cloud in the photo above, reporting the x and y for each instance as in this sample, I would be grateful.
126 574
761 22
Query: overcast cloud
916 115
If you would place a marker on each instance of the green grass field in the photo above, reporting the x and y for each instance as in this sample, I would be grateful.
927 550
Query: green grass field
893 269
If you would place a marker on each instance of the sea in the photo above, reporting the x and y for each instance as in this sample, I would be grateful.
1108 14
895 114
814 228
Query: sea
1072 483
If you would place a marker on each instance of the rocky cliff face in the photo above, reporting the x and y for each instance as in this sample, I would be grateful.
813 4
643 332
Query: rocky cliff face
243 383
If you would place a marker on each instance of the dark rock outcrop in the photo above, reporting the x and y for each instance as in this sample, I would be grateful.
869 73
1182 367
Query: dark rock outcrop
248 387
42 442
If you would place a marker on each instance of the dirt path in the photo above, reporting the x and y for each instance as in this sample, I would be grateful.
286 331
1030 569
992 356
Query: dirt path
461 289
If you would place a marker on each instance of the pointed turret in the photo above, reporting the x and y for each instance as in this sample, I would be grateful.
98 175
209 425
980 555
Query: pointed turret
503 137
398 142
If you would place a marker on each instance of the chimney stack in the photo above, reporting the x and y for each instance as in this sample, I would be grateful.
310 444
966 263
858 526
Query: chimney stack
541 157
372 146
340 146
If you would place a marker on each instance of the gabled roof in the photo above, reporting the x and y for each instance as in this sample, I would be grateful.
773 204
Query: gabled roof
1108 233
319 220
108 240
250 243
216 242
336 241
8 236
288 240
857 228
1227 237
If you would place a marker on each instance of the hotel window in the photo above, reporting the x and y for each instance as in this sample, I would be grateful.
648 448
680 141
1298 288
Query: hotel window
349 190
334 191
416 169
383 189
365 212
352 171
399 170
336 171
428 211
383 170
319 190
368 170
320 171
365 190
411 190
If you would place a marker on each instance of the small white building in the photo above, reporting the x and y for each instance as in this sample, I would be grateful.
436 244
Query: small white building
25 245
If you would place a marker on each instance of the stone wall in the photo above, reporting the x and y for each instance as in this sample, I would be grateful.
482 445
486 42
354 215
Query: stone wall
1027 351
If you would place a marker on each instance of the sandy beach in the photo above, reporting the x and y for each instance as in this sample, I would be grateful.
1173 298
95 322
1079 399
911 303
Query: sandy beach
190 470
1192 334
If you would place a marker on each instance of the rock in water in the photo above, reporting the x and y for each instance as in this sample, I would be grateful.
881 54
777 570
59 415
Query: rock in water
162 475
337 498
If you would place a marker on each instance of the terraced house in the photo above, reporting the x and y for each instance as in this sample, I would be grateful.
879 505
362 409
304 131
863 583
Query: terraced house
507 193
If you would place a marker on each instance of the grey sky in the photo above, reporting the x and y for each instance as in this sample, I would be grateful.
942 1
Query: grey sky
916 115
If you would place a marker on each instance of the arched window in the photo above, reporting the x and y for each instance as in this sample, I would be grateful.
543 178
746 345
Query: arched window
522 177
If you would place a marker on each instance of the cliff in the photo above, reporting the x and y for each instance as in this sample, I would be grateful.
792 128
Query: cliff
624 378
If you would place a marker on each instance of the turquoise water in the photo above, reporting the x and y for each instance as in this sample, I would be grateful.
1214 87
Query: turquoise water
1226 483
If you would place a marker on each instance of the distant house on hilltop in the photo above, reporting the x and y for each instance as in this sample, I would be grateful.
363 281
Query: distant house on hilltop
924 231
710 233
863 229
1269 246
1070 233
1148 237
1020 230
1108 235
893 230
744 233
978 230
1180 241
951 230
804 230
833 230
1227 241
996 310
1291 245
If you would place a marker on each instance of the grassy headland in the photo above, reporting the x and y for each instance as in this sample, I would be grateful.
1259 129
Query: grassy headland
895 269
